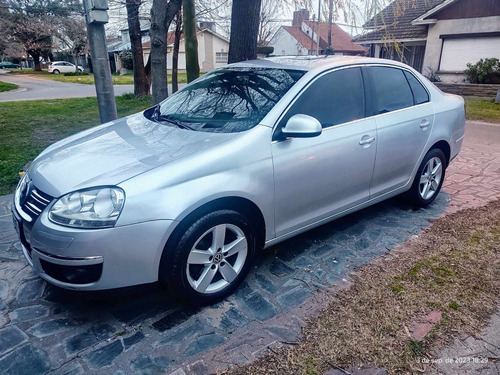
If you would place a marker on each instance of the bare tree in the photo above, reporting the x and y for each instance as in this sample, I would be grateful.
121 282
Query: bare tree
190 40
244 30
33 23
175 52
73 36
270 11
162 14
141 81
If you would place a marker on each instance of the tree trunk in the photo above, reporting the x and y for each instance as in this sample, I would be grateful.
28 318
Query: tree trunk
36 59
330 18
175 53
75 61
190 41
162 14
141 83
244 30
147 68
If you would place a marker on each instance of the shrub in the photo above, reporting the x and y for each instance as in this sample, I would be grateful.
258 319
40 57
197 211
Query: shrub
70 74
127 59
484 71
265 50
432 75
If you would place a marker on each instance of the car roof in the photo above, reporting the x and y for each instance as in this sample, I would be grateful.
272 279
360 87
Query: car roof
317 63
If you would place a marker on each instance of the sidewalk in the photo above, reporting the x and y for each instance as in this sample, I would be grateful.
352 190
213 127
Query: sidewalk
472 355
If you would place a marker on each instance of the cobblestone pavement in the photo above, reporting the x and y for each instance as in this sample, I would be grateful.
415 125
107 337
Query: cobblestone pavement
138 330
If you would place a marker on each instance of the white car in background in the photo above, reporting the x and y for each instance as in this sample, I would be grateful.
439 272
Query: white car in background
63 67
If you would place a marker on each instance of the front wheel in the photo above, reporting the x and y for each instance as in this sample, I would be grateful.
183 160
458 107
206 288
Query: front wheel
210 259
429 179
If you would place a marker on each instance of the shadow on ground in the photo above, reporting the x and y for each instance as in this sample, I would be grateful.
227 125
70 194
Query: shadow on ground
141 329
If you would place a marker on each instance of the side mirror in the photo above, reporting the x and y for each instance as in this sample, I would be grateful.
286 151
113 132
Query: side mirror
302 126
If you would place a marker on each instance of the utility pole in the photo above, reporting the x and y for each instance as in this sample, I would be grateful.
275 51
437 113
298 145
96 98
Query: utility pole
319 24
96 16
312 36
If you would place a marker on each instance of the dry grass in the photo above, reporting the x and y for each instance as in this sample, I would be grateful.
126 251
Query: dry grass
452 267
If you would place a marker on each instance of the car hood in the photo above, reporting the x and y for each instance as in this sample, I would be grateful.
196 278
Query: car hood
114 152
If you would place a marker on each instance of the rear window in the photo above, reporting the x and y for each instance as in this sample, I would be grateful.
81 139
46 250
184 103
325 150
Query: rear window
229 100
420 94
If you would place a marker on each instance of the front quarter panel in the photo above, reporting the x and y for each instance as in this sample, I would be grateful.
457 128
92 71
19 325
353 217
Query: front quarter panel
241 167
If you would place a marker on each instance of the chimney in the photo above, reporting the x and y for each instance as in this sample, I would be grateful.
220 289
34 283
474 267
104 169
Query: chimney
299 16
207 25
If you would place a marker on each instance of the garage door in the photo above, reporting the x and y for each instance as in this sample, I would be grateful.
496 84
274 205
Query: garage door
458 52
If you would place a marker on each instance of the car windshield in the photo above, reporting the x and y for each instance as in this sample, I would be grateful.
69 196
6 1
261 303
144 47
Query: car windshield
227 100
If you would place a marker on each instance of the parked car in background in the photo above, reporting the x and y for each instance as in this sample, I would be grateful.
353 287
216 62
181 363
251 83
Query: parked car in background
63 67
8 65
244 157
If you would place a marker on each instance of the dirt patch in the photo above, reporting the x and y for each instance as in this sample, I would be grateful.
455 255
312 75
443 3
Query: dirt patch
451 268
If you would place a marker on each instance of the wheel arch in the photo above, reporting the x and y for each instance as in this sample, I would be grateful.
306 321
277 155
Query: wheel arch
443 146
243 205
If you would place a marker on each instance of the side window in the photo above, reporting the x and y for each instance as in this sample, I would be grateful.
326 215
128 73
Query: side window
390 89
332 99
420 94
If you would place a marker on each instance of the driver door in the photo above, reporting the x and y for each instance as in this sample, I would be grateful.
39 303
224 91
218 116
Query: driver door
321 176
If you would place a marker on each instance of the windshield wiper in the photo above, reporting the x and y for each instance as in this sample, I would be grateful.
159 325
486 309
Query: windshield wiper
158 117
170 120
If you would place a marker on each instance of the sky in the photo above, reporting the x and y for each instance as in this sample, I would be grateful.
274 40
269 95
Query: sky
353 25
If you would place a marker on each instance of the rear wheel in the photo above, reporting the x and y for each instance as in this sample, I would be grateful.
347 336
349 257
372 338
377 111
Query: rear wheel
211 257
55 71
429 179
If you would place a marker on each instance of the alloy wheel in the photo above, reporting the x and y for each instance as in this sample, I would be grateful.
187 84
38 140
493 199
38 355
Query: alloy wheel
431 178
217 258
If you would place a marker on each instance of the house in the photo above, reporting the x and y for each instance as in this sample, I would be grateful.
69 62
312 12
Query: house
213 48
436 37
302 37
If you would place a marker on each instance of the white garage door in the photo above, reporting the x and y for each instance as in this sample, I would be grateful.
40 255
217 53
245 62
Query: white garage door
458 52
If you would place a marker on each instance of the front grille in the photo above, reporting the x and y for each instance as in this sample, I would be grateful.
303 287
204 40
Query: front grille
35 202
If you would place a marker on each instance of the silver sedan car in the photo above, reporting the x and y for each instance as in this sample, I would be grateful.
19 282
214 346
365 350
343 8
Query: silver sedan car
244 157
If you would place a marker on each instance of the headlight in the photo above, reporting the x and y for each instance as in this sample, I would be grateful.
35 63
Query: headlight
95 208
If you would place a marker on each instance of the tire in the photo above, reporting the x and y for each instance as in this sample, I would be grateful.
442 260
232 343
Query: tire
80 70
196 242
418 194
55 71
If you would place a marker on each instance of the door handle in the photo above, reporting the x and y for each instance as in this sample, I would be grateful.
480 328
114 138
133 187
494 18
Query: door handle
424 124
366 141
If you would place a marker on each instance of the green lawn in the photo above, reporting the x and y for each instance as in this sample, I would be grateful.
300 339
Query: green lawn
126 79
482 109
26 128
4 86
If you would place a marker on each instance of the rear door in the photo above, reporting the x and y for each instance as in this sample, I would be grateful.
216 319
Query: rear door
318 177
404 117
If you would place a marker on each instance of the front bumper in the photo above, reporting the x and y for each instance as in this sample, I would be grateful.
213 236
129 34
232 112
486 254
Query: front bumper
93 259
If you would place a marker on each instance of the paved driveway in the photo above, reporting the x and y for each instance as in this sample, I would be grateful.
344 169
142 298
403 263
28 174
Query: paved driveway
138 330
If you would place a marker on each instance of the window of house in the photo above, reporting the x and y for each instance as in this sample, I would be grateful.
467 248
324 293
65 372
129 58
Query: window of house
390 89
332 99
420 94
221 57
